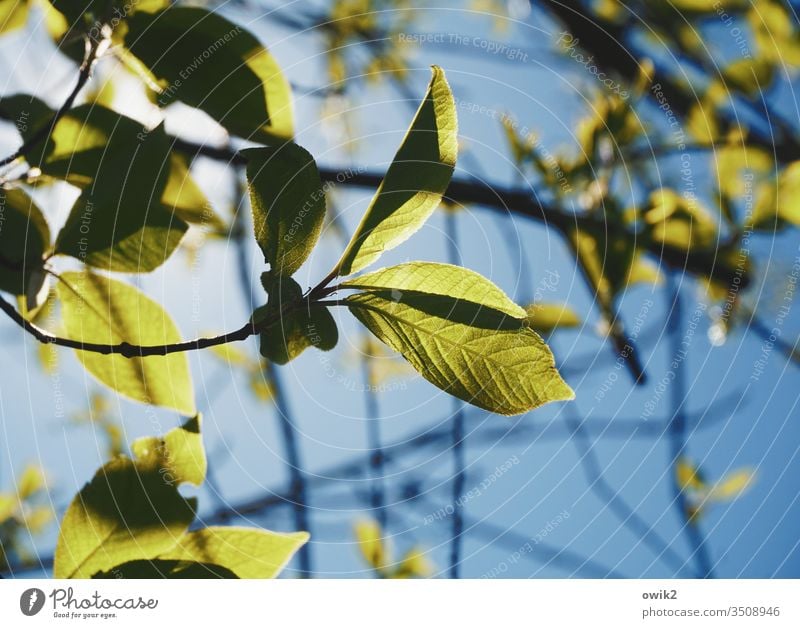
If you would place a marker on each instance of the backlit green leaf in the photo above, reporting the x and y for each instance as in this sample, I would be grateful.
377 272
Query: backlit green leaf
415 182
479 355
247 552
441 279
101 310
288 202
132 509
205 61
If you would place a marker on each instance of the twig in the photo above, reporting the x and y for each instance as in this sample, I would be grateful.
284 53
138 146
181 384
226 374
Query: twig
627 515
677 432
93 50
127 349
457 443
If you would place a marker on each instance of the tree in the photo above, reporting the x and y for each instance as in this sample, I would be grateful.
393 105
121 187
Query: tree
629 202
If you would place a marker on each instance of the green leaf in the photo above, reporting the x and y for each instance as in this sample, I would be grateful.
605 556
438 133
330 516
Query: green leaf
24 240
441 279
477 354
102 310
205 61
184 198
679 222
169 569
295 330
247 552
415 182
545 317
288 202
132 509
119 222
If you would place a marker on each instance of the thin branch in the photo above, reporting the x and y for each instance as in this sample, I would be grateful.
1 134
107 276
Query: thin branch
457 443
93 51
627 515
678 429
127 349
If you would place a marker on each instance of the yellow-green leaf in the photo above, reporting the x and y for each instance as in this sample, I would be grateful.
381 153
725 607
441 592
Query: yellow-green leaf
415 182
479 355
545 317
440 279
132 509
247 552
101 310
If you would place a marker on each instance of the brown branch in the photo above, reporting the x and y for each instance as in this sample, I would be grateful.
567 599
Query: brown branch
91 56
127 349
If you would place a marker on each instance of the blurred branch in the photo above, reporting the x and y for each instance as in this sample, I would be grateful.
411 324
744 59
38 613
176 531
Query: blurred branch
678 428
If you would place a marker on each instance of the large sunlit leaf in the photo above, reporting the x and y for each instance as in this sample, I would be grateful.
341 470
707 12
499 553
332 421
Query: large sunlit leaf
442 279
203 60
247 552
288 202
479 355
415 182
97 309
132 509
24 239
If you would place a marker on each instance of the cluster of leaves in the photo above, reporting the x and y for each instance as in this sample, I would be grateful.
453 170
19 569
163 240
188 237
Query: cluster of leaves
376 551
700 494
131 521
24 512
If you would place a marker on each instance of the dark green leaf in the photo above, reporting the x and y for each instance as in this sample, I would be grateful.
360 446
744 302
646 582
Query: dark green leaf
205 61
295 330
288 204
24 239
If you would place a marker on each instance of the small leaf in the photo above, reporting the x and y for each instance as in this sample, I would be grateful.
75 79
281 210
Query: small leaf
288 202
370 542
441 279
132 509
295 331
205 61
101 310
545 317
415 182
479 355
247 552
24 240
732 485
